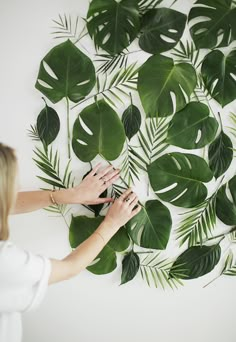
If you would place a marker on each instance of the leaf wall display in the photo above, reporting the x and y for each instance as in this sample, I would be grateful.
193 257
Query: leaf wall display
150 87
158 78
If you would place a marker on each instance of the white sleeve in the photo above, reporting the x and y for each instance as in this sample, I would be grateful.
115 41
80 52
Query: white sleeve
23 277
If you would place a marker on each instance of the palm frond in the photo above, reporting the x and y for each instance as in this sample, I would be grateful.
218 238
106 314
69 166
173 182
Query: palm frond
155 270
117 190
110 63
116 88
187 52
66 28
33 133
131 165
49 163
199 223
230 265
152 138
146 5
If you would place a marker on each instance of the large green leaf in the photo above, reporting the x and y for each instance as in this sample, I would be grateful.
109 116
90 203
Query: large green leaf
65 72
161 30
209 19
177 178
225 206
131 119
219 75
151 227
130 267
82 227
104 134
192 127
160 79
48 125
196 262
113 24
220 154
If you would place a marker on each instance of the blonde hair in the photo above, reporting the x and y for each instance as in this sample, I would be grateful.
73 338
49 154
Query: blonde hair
8 171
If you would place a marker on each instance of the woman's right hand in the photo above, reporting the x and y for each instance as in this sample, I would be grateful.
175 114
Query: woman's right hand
122 210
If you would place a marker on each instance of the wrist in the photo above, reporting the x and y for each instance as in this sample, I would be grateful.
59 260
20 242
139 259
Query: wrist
62 196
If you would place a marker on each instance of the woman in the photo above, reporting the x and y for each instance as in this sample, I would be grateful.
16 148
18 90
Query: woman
23 276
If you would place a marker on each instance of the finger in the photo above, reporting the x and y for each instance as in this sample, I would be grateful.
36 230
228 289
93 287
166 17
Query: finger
110 175
134 202
104 200
125 194
105 171
136 211
94 170
131 198
112 180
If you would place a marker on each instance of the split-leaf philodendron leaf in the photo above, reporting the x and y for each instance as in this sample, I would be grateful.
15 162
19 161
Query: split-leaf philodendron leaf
48 125
131 119
165 87
113 24
219 75
130 267
161 29
192 128
65 72
177 178
82 227
220 154
196 262
92 133
212 23
151 227
225 206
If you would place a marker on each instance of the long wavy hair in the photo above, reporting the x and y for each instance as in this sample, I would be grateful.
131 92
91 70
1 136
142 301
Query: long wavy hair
8 172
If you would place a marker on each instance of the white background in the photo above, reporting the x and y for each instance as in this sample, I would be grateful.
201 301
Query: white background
89 308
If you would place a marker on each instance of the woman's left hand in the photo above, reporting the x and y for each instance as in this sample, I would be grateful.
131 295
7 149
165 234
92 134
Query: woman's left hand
91 187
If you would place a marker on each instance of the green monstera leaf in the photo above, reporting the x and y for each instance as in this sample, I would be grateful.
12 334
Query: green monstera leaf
220 154
113 24
65 72
98 130
151 227
219 76
212 23
177 178
82 227
196 262
48 125
161 30
192 128
226 207
159 79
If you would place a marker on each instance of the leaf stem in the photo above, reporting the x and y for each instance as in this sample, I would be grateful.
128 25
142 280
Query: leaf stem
68 126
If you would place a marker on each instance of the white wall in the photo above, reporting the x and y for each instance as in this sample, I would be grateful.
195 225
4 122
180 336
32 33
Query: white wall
88 308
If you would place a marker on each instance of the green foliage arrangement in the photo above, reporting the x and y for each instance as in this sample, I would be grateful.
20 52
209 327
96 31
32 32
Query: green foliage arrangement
129 113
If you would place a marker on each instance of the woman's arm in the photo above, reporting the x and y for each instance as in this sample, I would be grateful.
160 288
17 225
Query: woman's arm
118 214
87 192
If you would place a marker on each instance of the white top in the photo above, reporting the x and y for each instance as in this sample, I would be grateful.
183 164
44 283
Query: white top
23 283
